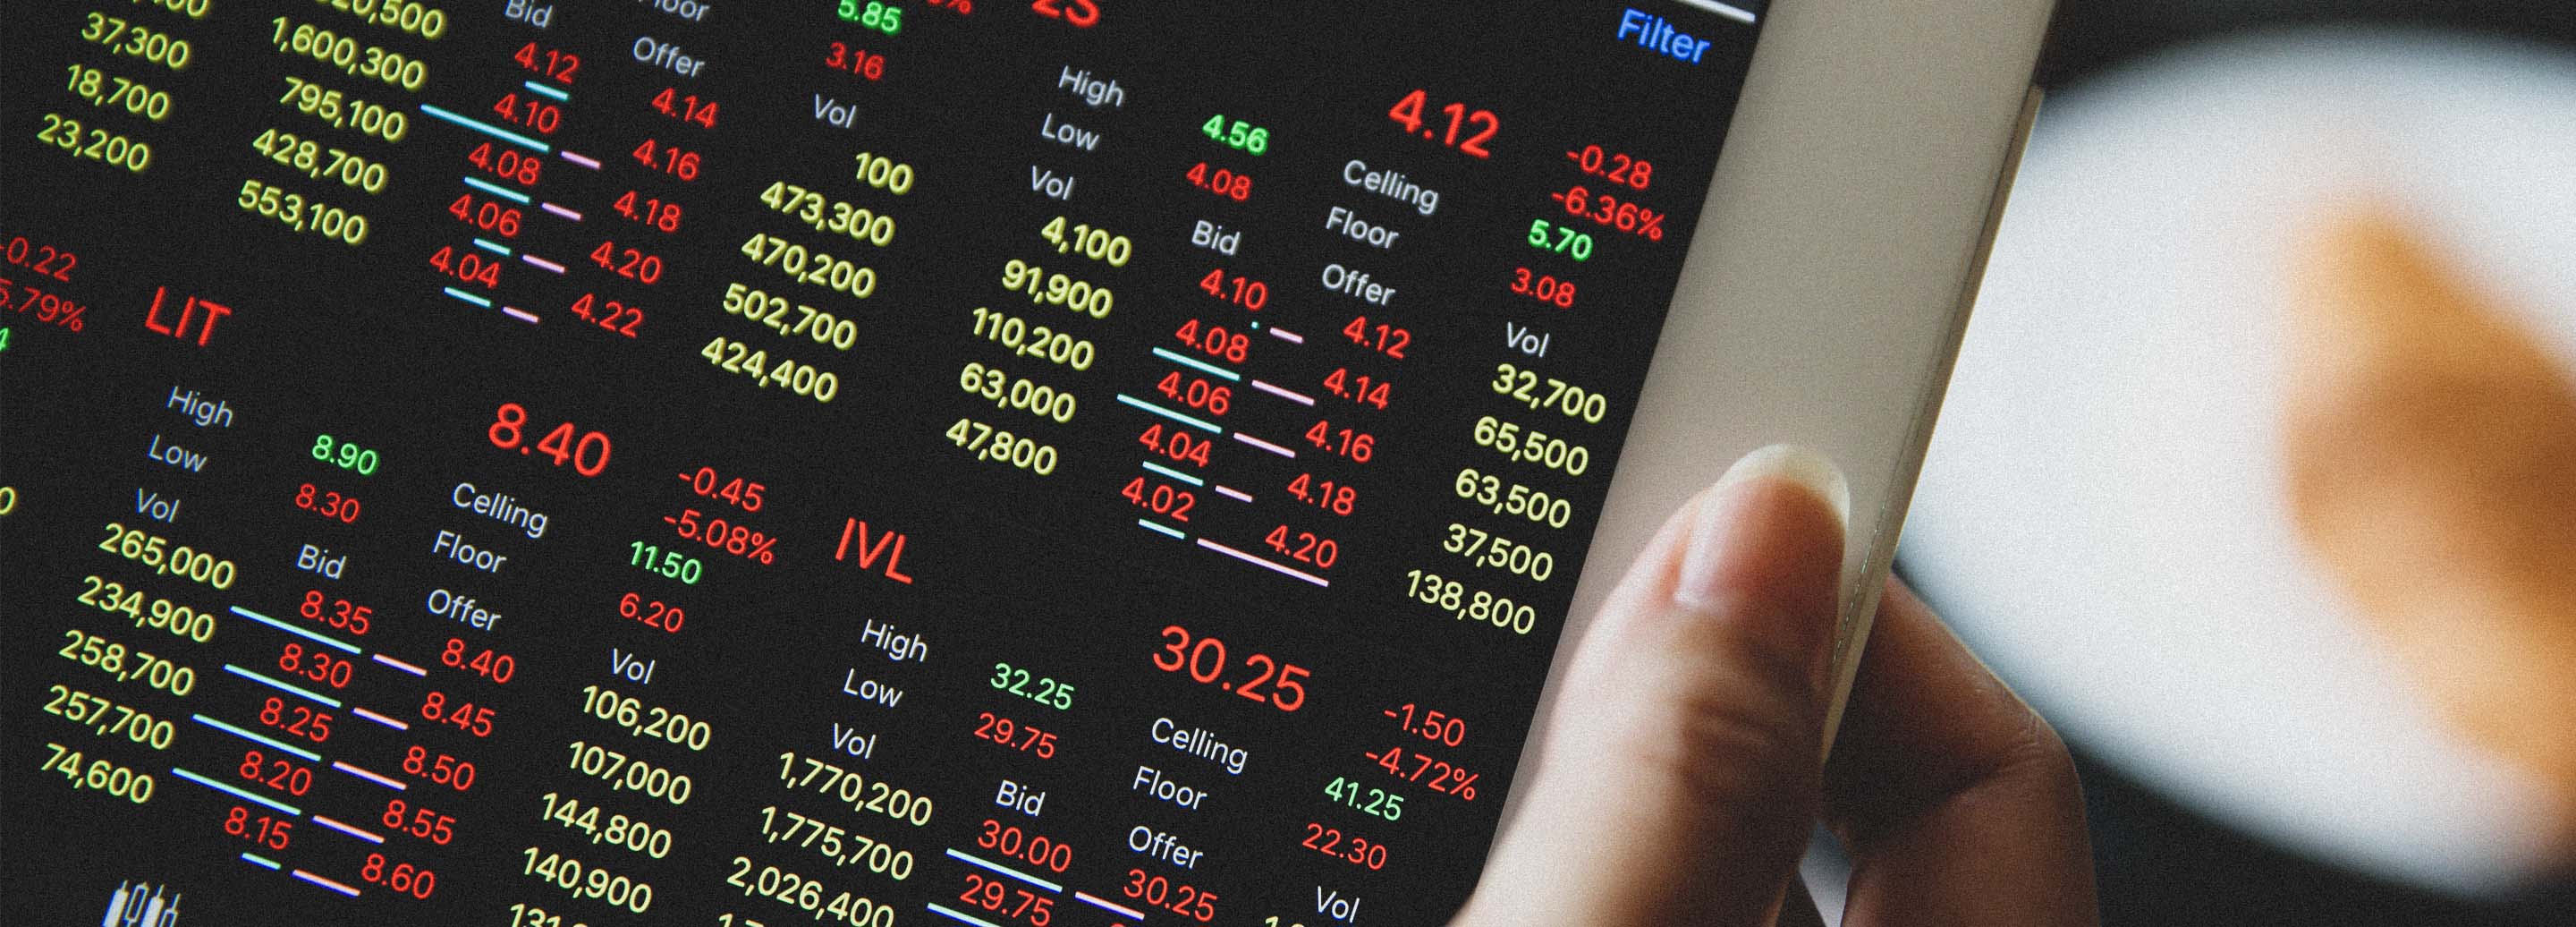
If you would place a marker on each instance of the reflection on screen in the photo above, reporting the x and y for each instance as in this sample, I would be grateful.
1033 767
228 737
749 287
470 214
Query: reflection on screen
713 462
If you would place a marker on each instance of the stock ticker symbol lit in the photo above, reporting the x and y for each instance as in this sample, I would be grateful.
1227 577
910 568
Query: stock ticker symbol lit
198 314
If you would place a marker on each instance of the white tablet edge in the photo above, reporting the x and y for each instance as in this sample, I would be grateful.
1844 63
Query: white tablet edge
1829 279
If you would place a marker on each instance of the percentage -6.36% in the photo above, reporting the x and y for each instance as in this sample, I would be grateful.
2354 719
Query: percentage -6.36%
1605 209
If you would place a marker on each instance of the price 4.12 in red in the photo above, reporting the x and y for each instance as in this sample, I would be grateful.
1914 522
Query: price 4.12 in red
1481 125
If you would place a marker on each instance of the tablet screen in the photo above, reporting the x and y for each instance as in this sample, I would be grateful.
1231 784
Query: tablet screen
704 462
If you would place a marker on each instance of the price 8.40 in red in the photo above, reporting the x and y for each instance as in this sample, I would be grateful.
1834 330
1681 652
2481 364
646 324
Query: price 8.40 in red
587 452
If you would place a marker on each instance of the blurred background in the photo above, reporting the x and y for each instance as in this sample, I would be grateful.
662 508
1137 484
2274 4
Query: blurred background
2092 36
2105 514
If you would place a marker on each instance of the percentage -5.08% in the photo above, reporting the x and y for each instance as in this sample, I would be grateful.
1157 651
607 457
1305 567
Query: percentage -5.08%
717 533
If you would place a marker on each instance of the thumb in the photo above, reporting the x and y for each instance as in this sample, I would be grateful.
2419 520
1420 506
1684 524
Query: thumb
1680 778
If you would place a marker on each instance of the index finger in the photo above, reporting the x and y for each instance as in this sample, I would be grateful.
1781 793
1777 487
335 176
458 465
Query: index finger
1958 803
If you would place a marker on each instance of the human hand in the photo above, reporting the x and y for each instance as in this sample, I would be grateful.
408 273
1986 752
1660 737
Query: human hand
1682 775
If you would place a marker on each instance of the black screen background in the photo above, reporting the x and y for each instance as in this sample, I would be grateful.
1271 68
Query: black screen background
1046 573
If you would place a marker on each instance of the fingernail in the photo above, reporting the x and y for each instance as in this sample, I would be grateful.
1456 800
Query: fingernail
1721 533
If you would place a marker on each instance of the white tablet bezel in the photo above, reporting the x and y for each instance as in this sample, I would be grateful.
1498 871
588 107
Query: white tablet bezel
1830 275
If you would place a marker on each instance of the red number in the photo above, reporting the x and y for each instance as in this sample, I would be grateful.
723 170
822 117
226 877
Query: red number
1175 444
857 61
685 107
279 775
506 424
1214 340
44 259
315 665
404 878
464 716
661 216
1221 182
557 443
419 822
1475 144
1014 903
1358 446
1304 546
486 215
506 163
1360 387
1184 900
340 614
1081 13
1407 113
439 768
509 429
1160 498
1011 841
1324 494
489 664
298 720
1543 288
467 266
628 262
328 504
1196 393
669 159
1242 291
609 314
1205 659
263 830
709 484
1618 168
1436 726
533 113
1382 338
1016 736
650 613
1290 694
555 65
1330 842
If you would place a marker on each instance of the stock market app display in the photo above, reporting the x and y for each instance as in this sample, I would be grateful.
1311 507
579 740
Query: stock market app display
1072 462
